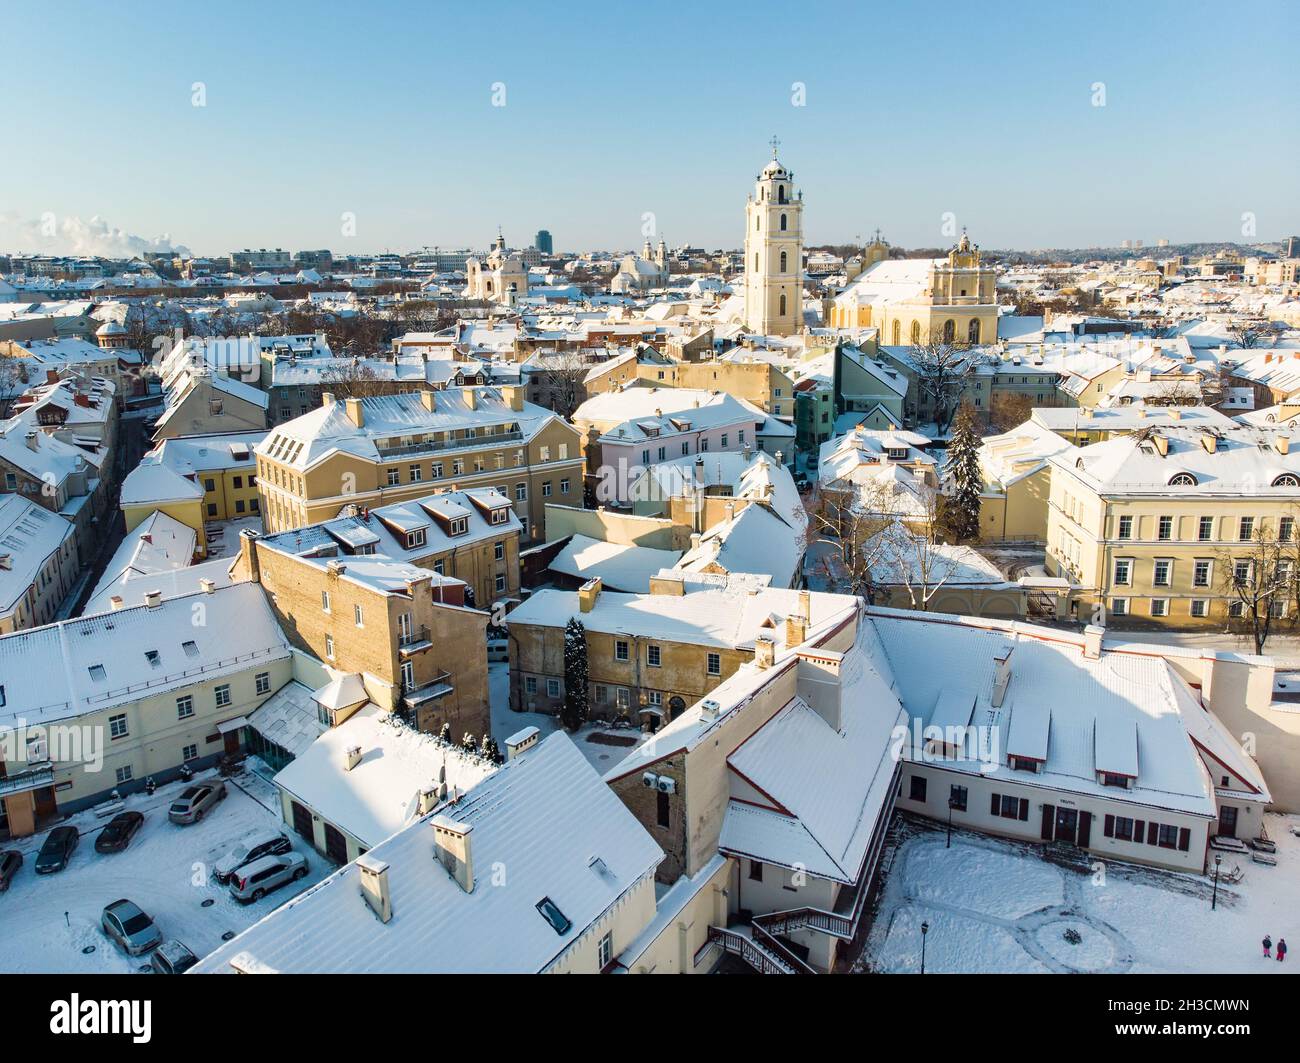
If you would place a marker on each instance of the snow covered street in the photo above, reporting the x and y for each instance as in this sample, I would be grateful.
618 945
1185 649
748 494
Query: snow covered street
50 920
997 906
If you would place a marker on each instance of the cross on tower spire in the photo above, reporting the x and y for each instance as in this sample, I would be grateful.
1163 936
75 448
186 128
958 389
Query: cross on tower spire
775 144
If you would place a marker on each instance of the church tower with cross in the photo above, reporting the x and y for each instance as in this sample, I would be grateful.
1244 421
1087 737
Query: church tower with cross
774 252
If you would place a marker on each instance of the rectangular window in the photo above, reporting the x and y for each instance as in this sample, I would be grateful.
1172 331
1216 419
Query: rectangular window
916 790
500 583
1161 572
498 551
325 601
357 617
1286 529
1246 529
190 752
1205 529
394 477
652 656
957 797
1201 570
564 487
662 809
1159 606
124 774
184 707
714 664
605 950
530 684
329 646
1123 570
521 492
1167 836
755 871
1126 527
552 688
222 695
117 726
1165 529
1200 607
620 650
546 488
1124 828
263 681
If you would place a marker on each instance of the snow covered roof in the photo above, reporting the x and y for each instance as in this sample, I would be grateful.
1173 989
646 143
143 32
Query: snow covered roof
754 540
643 412
71 667
620 567
289 718
381 793
546 816
29 534
159 543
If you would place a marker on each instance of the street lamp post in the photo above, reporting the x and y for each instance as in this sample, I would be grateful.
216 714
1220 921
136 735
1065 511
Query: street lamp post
925 929
1214 897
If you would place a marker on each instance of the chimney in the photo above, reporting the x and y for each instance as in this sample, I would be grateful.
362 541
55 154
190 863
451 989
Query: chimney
588 593
817 681
374 885
248 552
355 413
1175 414
115 602
673 586
428 799
471 398
1001 675
522 741
1162 444
452 844
428 400
327 398
1210 659
513 394
153 599
764 652
33 438
796 629
1092 636
351 757
1210 442
207 586
1282 443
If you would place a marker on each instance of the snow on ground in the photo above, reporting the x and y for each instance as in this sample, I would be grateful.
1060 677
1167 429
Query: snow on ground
994 905
506 722
166 870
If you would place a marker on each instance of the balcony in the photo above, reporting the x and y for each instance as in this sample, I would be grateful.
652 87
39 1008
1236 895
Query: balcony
24 781
414 642
481 442
439 686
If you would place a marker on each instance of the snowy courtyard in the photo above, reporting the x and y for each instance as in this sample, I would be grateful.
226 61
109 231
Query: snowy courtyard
50 921
994 905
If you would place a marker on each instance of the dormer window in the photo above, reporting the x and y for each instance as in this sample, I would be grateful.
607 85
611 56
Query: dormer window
459 526
1111 779
415 538
1023 764
500 516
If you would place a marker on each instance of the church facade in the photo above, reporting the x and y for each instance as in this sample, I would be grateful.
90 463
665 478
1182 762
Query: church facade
501 278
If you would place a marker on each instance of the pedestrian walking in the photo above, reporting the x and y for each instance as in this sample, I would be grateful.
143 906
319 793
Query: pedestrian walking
1281 949
1268 947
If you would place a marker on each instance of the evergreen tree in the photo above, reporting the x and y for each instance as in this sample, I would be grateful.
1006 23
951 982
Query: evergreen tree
490 750
965 478
468 743
574 712
444 733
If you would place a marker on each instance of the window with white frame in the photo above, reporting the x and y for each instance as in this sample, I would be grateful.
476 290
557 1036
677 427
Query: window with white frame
1162 572
1200 607
184 707
1159 606
263 682
1123 571
222 695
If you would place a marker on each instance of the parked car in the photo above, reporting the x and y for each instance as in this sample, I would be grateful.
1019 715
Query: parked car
196 800
254 881
171 957
10 861
131 930
119 832
250 847
57 850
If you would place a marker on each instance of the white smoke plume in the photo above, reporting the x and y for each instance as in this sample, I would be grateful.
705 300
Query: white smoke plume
72 235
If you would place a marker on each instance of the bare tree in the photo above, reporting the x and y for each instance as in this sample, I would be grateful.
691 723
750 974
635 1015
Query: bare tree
559 381
14 379
942 369
355 380
1175 391
914 559
1250 333
1258 578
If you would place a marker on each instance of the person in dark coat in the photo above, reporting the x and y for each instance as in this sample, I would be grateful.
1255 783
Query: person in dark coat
1281 949
1268 947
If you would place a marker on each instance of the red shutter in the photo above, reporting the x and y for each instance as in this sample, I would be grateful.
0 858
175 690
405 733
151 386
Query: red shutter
1108 828
1138 828
997 805
1153 833
1184 839
1024 808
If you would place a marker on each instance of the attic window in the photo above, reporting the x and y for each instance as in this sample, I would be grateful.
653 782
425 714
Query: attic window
552 914
1182 479
152 657
190 647
97 673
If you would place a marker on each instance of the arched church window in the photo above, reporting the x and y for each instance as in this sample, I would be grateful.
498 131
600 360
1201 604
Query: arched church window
780 193
973 331
781 311
755 261
783 223
916 333
898 328
783 261
756 225
949 330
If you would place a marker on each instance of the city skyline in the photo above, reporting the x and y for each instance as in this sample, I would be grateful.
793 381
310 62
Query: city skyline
1087 138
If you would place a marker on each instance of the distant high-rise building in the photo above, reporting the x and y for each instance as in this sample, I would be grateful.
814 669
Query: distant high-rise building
1293 247
544 243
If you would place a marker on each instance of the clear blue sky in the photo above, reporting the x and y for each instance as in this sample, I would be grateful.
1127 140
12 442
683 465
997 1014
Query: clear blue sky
613 109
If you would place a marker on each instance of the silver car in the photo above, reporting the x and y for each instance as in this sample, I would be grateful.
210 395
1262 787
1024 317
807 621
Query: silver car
171 957
131 930
254 881
250 847
195 800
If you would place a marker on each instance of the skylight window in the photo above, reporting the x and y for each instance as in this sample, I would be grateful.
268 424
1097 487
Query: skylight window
190 647
152 657
552 914
97 673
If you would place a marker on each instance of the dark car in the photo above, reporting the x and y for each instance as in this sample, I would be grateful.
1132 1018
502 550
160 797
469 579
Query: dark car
57 850
119 832
10 861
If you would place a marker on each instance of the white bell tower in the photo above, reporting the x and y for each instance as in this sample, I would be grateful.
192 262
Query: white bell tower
774 253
